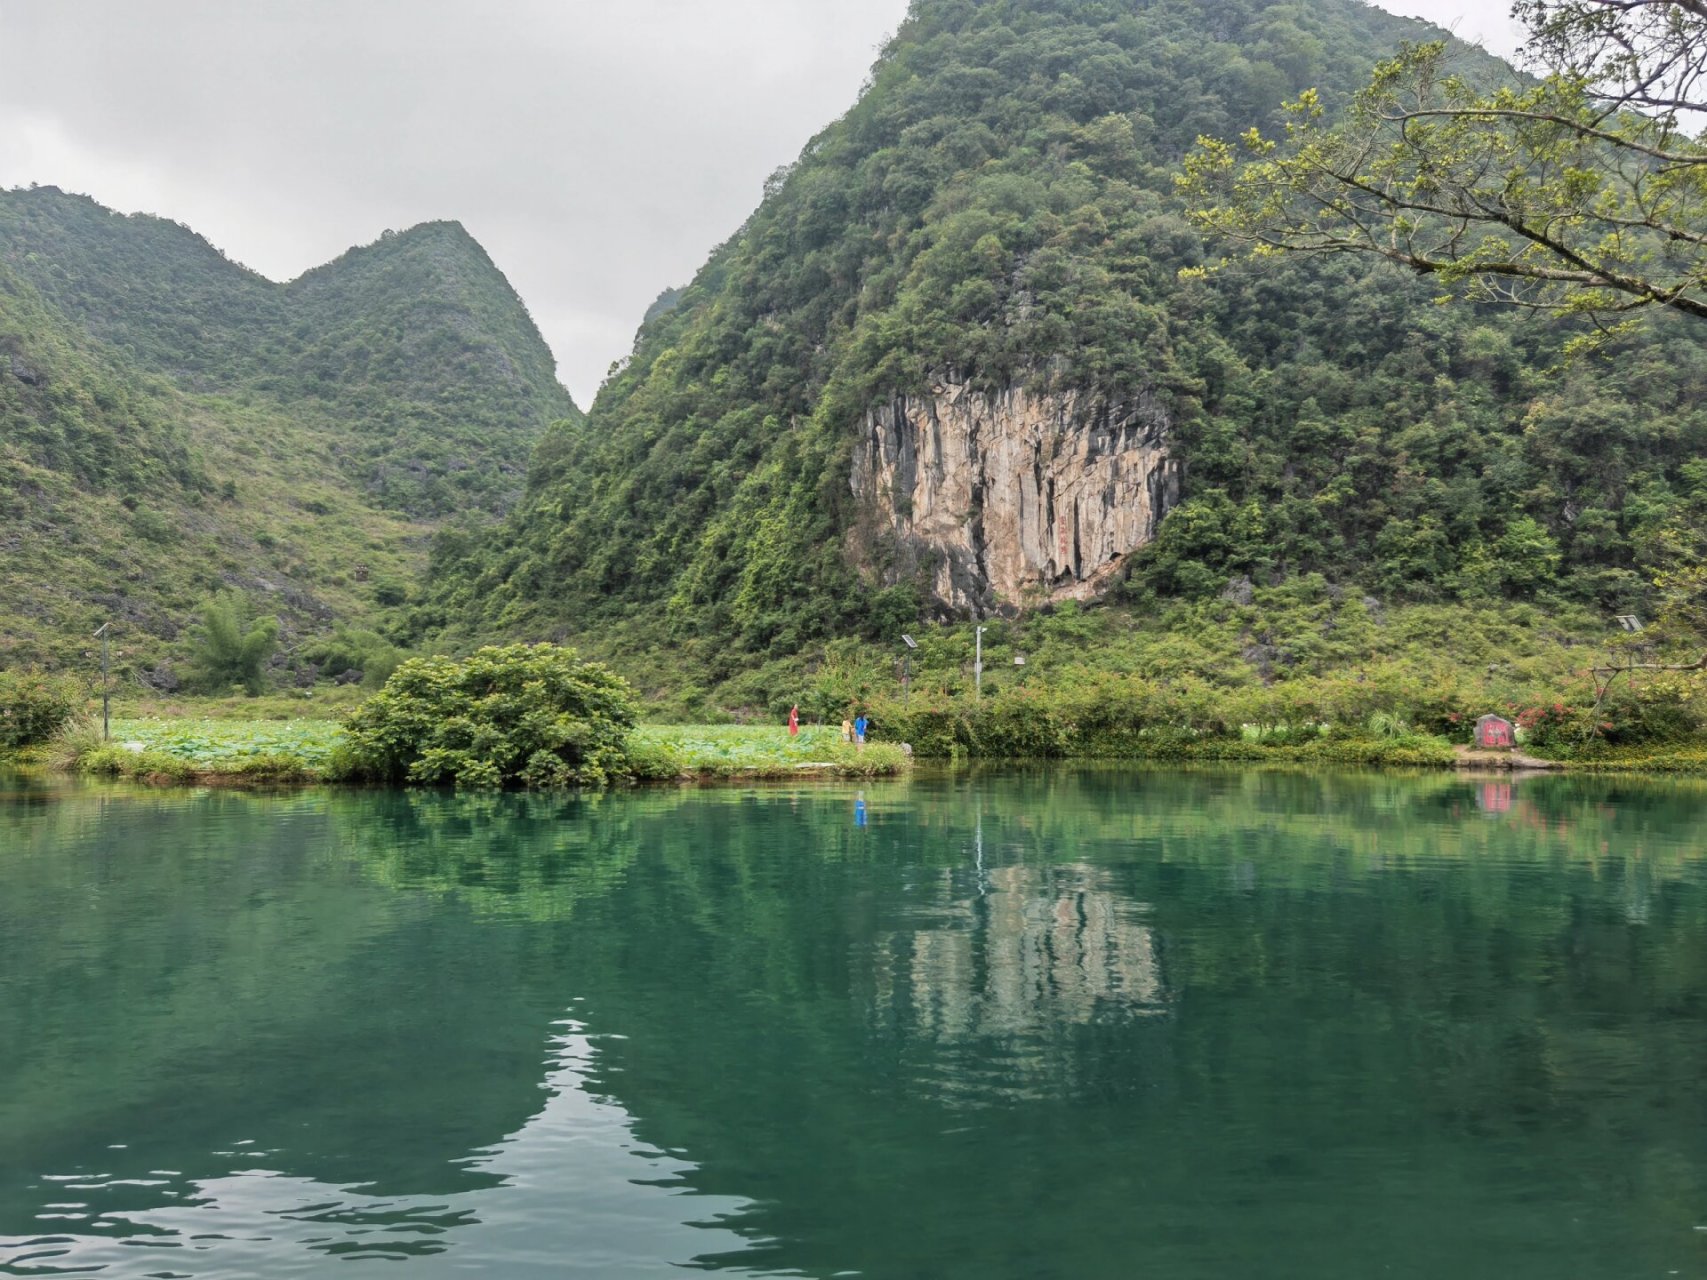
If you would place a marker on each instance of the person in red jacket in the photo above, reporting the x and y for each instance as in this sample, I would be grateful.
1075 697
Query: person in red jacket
794 721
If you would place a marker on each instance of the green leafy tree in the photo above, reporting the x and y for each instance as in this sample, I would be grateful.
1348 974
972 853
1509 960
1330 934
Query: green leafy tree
1412 555
521 716
1529 557
233 647
1583 192
1678 555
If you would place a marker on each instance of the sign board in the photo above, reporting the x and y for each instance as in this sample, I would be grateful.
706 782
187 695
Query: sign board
1495 733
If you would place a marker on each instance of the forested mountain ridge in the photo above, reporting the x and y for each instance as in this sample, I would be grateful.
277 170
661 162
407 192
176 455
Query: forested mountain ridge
124 499
174 427
991 237
415 346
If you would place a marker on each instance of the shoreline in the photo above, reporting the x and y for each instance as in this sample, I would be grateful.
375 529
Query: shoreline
262 774
151 773
230 753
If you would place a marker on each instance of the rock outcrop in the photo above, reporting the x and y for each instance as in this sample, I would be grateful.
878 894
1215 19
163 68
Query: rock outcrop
1012 500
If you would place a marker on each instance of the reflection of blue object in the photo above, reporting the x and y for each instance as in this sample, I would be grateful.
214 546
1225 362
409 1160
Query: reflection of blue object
859 811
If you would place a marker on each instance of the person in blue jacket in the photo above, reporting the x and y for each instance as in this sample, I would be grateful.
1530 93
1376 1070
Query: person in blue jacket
860 726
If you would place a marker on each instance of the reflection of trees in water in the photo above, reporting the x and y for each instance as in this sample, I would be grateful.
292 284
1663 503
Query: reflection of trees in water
529 856
181 969
1290 828
1037 952
532 856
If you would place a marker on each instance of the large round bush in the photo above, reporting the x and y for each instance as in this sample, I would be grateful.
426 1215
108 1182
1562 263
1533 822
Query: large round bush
521 716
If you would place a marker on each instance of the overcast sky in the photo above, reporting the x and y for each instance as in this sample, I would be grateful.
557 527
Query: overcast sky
599 149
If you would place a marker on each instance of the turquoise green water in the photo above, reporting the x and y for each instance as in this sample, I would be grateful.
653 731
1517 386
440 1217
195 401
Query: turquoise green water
1062 1024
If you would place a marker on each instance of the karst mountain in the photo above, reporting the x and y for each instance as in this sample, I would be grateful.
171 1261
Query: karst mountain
173 425
950 366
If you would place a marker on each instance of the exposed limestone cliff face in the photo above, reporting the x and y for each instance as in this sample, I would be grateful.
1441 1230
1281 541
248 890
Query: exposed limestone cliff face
1015 499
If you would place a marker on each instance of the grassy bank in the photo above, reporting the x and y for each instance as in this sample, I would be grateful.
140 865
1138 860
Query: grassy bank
761 751
212 749
1664 757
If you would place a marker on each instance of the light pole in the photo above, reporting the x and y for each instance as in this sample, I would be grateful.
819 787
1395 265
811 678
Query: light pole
106 686
978 663
911 645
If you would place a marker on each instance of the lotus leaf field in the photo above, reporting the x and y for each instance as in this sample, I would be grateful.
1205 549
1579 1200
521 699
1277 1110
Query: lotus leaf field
215 745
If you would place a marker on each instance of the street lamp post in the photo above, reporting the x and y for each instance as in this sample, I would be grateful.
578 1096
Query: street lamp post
905 671
978 664
106 686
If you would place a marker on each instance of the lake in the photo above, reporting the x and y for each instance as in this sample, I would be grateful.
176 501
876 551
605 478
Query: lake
1055 1023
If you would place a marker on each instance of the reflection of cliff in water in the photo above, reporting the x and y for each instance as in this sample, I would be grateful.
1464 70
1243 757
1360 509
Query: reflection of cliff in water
1037 948
1036 951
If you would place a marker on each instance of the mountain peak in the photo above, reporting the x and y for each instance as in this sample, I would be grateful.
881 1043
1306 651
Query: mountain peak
416 340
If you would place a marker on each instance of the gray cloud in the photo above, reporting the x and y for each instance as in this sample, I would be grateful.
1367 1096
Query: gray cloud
1484 22
597 148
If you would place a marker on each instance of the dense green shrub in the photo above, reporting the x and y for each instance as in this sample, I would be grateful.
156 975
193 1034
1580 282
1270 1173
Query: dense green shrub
1124 720
521 716
652 761
34 707
934 732
1124 717
1669 709
351 651
1553 724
